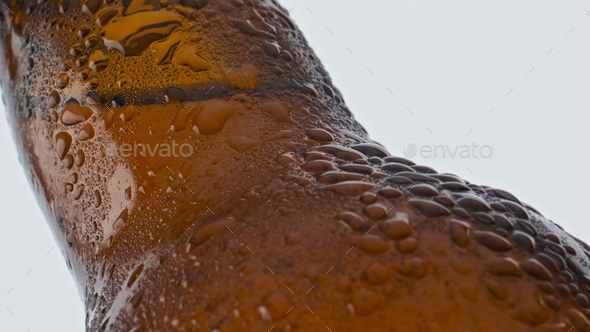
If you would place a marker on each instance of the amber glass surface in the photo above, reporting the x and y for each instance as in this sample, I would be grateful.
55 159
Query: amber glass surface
202 174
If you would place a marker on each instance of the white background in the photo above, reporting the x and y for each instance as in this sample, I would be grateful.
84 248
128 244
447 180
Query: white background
448 62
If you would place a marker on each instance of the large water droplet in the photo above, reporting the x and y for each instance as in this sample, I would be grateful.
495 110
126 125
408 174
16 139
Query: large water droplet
212 228
213 116
121 220
134 33
80 158
98 61
86 133
187 55
54 99
128 193
63 80
73 113
175 95
365 301
79 191
97 198
165 49
63 141
278 111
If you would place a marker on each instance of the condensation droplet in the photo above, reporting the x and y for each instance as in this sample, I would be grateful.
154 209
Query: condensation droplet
63 141
63 80
73 113
128 193
54 99
86 133
97 198
79 191
212 228
121 220
80 158
134 275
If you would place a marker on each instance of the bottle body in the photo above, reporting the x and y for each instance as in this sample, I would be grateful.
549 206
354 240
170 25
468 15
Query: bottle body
202 173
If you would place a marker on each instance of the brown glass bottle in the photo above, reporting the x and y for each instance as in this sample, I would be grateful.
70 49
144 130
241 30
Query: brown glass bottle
202 173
